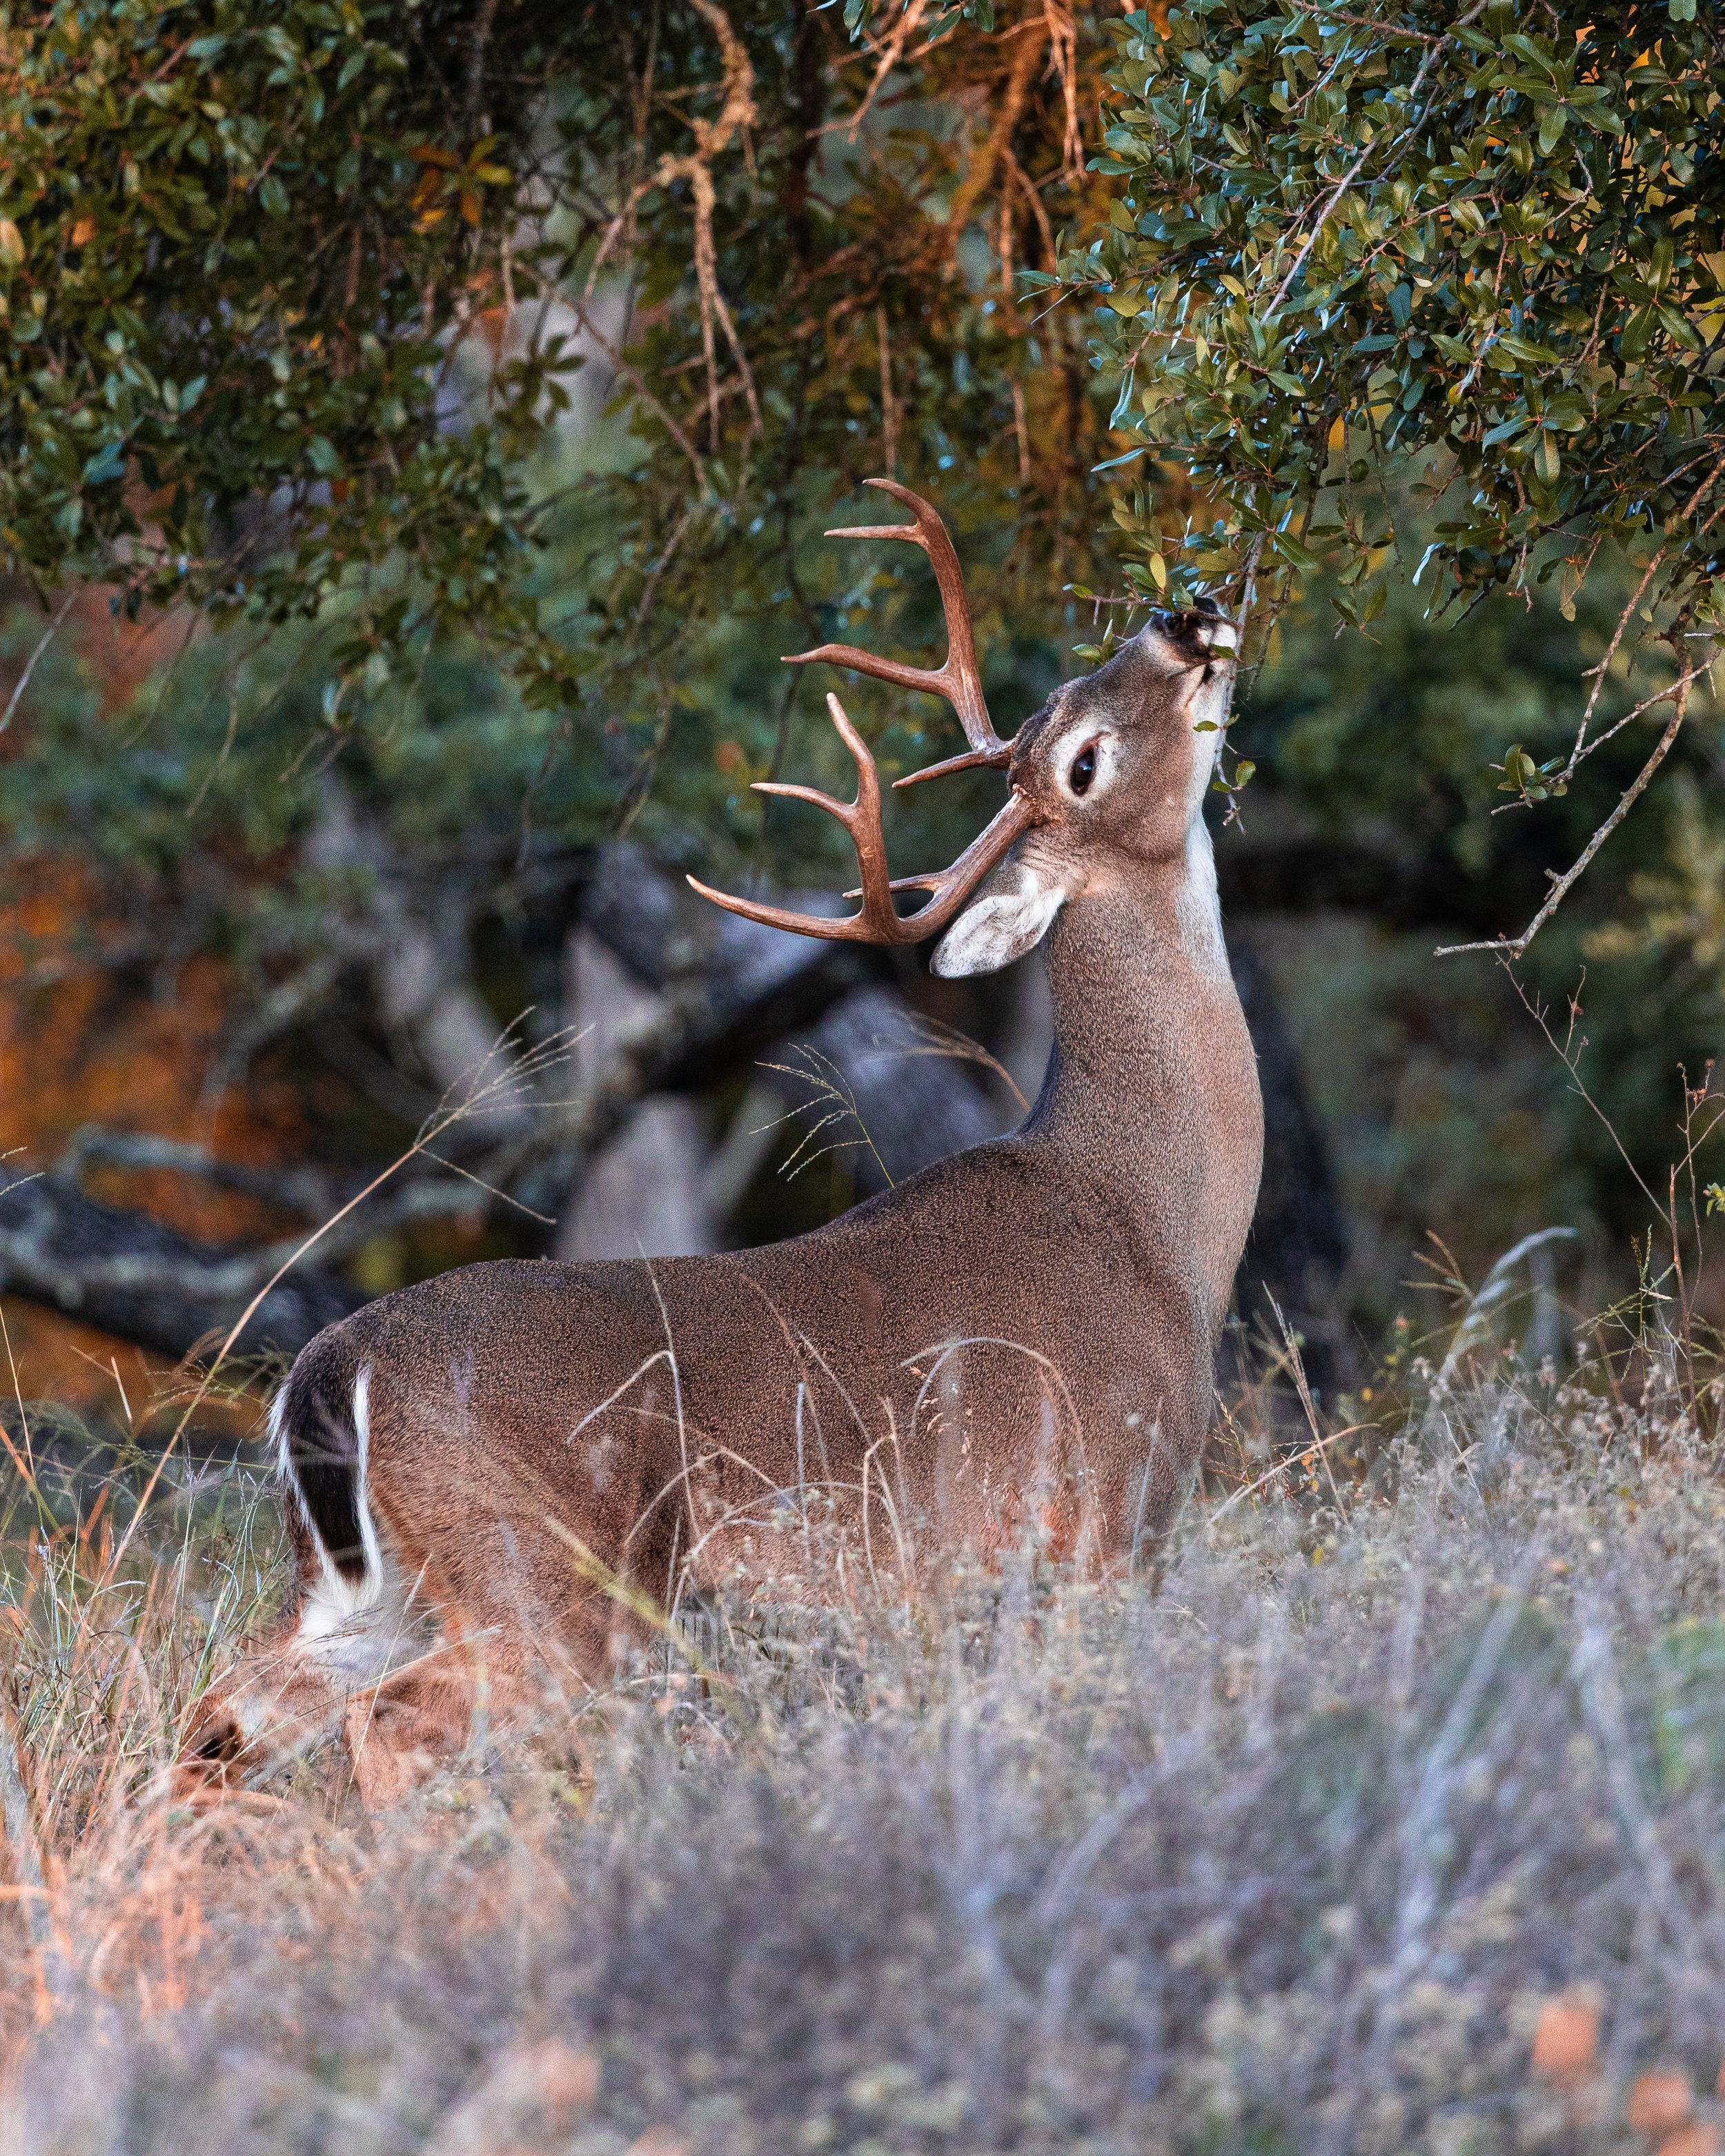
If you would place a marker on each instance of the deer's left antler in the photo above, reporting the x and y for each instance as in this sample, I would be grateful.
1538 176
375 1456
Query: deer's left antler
958 679
879 922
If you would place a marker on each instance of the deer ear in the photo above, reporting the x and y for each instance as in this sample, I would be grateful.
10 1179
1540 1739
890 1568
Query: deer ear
998 927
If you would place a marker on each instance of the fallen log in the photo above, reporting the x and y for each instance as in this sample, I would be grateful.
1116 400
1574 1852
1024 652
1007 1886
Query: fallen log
125 1272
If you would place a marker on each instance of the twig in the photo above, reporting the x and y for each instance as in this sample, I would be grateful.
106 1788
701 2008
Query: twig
44 641
737 115
979 171
1515 946
1294 1460
891 52
1063 50
889 403
477 43
1623 620
1598 741
1358 165
1308 1405
1365 23
636 382
1568 1053
1583 747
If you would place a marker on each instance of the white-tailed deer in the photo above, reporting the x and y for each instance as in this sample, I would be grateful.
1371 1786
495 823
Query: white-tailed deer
473 1465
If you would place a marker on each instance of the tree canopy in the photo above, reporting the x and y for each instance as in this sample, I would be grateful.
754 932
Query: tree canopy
291 293
1420 291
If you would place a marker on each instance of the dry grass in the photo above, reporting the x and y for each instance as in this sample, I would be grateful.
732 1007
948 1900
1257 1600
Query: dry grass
1385 1812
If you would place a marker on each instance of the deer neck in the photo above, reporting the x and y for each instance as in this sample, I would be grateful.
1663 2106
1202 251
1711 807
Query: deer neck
1152 1090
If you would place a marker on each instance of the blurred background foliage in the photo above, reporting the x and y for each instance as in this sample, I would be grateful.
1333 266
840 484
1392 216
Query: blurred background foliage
310 751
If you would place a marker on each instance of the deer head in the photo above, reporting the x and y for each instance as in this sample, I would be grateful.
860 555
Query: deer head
1108 778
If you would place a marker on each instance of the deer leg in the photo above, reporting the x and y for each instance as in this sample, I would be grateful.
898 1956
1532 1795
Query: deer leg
400 1730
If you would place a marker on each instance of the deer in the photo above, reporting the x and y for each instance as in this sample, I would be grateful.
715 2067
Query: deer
498 1464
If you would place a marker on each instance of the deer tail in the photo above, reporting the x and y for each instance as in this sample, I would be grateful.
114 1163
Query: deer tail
322 1426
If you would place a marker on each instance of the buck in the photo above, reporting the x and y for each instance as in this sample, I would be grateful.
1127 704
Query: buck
488 1466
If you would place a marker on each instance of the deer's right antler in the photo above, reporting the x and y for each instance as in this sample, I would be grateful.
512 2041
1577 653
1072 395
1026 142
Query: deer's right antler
956 679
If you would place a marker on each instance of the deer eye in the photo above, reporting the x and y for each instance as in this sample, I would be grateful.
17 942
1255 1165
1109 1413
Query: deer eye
1084 769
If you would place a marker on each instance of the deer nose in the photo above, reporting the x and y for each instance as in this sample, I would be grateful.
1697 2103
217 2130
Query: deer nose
1198 634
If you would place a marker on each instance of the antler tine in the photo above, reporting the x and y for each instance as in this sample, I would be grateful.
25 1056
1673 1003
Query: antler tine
951 888
958 678
879 921
976 759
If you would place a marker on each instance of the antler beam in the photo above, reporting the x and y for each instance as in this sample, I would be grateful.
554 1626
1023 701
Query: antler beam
958 678
879 922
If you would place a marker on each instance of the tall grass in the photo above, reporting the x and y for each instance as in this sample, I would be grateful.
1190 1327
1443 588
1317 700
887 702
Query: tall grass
1382 1810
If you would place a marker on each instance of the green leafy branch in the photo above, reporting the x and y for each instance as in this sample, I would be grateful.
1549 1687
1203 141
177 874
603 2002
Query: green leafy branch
1456 277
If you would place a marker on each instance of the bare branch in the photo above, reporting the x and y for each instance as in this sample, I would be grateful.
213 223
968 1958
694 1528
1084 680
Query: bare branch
1513 947
1600 672
636 382
979 171
891 51
46 638
1583 748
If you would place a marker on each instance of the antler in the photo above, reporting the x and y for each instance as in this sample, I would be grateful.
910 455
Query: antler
958 678
879 921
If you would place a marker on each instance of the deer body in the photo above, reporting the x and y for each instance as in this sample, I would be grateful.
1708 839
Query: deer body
474 1465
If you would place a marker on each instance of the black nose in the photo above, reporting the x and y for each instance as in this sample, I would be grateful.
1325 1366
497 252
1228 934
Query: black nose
1200 633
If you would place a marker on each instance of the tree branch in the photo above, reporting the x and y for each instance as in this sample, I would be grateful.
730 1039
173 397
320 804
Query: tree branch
128 1274
1513 947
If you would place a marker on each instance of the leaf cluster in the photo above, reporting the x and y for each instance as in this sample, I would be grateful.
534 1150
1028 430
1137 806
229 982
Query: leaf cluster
295 297
1481 242
865 251
228 300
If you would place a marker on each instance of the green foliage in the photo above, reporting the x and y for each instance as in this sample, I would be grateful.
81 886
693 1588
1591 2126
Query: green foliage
1399 727
1480 241
229 277
293 295
490 375
865 249
1368 839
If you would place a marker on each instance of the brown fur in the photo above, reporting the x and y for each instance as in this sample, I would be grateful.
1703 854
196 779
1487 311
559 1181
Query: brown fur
1029 1327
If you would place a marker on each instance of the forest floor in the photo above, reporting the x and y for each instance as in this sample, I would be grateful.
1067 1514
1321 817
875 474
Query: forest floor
1384 1811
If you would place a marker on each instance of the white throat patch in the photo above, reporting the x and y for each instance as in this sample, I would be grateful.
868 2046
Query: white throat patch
1199 906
